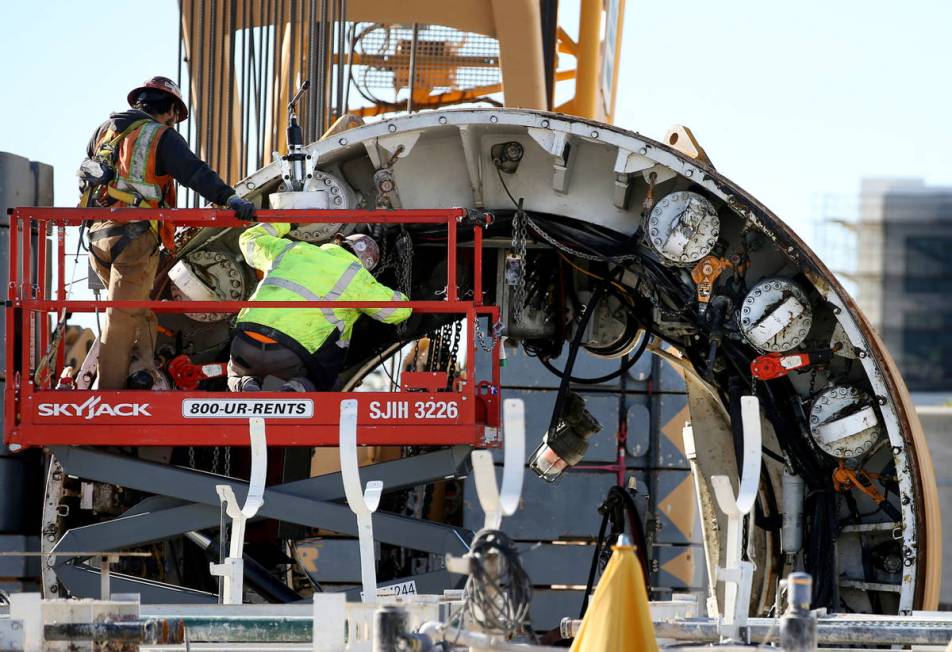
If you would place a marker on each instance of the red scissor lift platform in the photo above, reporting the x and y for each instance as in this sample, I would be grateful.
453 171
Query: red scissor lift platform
37 415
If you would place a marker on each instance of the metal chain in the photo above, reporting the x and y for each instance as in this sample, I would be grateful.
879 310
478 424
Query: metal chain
228 461
404 270
482 338
451 364
569 250
518 258
431 358
214 468
191 457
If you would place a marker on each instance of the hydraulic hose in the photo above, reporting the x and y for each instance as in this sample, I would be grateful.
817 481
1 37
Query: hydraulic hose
625 366
577 342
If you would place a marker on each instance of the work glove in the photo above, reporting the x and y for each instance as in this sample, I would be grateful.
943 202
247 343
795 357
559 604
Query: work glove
244 209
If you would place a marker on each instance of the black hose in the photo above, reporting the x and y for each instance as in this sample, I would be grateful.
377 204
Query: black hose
617 507
577 342
624 367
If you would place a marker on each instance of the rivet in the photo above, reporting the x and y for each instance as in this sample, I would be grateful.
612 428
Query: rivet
392 128
251 185
442 119
594 134
342 141
493 119
545 124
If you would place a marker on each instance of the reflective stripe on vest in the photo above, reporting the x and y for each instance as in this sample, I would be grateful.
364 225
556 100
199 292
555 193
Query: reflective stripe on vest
335 292
344 281
306 294
387 312
139 162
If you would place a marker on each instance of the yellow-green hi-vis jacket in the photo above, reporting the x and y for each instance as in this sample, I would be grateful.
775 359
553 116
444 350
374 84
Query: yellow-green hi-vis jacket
298 271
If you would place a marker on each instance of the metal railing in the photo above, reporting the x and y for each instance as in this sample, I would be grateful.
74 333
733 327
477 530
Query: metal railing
37 415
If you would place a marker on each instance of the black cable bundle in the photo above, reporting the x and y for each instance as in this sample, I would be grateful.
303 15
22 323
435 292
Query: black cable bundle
498 592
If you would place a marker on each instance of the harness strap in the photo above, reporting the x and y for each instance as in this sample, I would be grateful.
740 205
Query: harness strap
127 234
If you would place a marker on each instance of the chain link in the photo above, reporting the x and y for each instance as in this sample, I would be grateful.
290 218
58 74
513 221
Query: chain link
215 452
518 258
191 457
404 270
228 461
451 364
575 252
487 343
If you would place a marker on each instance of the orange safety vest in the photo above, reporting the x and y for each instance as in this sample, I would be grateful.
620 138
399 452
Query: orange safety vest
136 182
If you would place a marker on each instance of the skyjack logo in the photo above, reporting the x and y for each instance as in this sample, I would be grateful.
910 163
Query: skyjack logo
93 407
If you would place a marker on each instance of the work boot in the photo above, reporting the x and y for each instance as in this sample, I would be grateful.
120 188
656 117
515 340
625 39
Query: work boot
298 385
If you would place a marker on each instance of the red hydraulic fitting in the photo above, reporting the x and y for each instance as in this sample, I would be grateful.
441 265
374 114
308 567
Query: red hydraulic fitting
187 376
777 365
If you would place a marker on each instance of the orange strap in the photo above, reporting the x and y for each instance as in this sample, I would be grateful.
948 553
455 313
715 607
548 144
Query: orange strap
261 338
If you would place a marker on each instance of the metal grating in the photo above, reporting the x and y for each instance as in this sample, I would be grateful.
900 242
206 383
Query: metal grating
446 59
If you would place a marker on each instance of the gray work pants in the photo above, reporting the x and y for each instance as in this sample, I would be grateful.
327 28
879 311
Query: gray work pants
259 360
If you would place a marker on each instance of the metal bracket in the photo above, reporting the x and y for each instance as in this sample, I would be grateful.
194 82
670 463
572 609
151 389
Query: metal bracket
362 504
496 504
559 145
738 574
627 163
232 569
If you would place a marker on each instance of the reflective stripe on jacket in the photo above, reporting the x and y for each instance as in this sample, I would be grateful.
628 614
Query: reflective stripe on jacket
136 182
298 271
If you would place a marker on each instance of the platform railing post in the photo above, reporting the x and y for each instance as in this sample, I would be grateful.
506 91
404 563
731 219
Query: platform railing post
231 570
737 574
362 503
496 503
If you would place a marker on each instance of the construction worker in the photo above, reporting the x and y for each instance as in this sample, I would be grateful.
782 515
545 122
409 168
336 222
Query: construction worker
306 347
134 159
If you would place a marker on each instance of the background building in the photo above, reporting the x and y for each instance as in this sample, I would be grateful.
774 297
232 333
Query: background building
893 250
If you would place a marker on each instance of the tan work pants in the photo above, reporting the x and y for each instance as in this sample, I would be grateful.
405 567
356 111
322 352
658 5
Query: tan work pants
128 278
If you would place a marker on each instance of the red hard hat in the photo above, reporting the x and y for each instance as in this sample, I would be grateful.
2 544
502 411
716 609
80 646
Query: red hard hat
165 85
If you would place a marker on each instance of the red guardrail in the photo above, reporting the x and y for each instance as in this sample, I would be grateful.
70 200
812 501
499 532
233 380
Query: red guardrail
39 416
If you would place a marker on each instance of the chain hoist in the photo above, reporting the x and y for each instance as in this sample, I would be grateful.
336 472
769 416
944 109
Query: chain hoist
516 265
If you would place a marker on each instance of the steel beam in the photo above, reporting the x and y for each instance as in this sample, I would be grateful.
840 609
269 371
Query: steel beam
190 502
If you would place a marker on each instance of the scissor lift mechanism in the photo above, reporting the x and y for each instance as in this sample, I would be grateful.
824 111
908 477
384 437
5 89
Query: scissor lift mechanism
73 423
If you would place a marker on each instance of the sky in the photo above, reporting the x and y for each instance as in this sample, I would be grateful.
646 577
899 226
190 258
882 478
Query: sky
791 100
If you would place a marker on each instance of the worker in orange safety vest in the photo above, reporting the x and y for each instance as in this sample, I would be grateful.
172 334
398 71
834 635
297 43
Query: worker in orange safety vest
134 159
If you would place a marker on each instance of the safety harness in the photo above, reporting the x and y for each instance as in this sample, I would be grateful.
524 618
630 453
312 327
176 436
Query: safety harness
105 162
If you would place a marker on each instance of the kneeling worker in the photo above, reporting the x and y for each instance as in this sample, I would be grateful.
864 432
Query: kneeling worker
306 347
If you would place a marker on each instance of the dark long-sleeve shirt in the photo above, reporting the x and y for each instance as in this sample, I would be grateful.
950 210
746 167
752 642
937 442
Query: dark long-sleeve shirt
173 157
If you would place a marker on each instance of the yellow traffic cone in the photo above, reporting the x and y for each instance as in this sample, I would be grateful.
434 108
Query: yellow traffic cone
618 618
